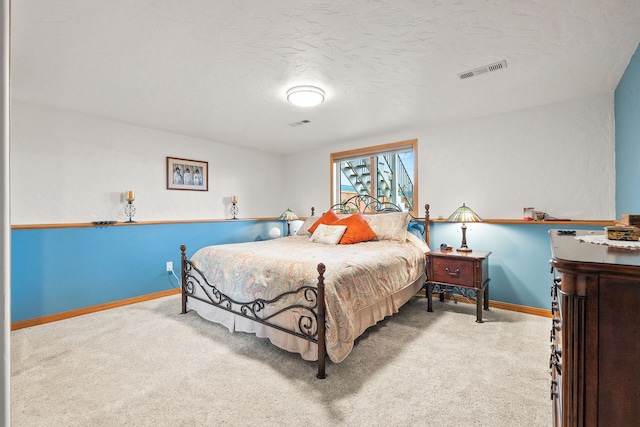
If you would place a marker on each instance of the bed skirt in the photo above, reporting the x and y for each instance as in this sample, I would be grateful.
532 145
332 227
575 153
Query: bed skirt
364 319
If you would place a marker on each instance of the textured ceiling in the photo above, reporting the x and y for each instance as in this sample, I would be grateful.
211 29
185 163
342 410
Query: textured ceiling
219 69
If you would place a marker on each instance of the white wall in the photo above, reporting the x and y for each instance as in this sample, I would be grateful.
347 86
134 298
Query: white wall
558 158
68 168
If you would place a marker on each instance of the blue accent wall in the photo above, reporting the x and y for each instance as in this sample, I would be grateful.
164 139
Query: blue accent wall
519 266
54 270
627 113
61 269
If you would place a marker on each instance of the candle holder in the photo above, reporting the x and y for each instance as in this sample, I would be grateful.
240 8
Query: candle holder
129 209
234 210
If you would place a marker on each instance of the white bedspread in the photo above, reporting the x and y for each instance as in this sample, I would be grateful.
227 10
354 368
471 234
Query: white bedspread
357 276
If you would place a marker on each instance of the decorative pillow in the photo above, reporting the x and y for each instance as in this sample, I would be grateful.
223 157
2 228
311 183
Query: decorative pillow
328 218
304 228
308 223
389 226
417 229
358 230
328 234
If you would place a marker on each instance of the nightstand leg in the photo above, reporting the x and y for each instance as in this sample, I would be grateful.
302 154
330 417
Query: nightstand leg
479 306
486 297
430 297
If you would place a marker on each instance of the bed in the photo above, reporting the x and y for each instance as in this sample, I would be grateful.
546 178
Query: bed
315 292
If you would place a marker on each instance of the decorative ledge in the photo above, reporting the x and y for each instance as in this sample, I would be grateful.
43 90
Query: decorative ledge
129 224
594 222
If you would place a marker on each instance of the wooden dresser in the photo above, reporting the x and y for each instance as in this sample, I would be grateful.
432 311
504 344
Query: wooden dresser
595 336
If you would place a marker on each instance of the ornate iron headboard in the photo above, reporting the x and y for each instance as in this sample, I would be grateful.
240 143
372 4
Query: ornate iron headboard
365 204
368 204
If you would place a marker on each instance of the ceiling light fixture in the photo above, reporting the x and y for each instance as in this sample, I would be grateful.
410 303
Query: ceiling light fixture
305 96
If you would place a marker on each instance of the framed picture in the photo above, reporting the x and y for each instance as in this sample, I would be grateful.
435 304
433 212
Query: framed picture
185 174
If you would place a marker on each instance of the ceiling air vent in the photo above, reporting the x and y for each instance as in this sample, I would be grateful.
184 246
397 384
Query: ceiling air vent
481 70
300 123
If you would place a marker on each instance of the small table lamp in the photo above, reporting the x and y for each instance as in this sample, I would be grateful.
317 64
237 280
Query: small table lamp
288 216
464 214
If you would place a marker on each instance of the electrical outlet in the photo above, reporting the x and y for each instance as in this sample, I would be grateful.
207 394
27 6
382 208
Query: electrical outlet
169 266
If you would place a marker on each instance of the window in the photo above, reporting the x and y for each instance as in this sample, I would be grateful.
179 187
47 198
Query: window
387 172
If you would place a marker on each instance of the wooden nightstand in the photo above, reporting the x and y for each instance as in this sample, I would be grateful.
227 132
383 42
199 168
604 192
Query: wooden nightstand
465 273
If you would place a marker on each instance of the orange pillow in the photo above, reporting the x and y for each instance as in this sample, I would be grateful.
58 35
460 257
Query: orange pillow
328 218
358 229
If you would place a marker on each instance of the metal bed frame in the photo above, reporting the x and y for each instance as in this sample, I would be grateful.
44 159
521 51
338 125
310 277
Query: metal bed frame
311 323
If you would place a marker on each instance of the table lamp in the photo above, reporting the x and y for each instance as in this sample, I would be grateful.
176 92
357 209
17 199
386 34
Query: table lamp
288 216
464 214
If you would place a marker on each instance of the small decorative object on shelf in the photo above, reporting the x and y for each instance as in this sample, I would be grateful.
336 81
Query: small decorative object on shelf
129 209
528 214
107 222
234 207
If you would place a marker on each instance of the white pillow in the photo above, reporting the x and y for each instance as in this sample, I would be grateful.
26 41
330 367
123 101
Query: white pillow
389 226
328 234
304 228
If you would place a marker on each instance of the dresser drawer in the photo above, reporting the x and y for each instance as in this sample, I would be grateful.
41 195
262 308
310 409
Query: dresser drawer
454 271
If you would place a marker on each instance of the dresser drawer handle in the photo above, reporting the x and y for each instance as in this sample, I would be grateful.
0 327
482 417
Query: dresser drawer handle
453 274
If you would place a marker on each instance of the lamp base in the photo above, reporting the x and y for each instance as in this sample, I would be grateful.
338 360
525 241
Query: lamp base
463 246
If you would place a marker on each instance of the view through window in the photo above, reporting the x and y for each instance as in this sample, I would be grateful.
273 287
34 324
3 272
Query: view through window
387 172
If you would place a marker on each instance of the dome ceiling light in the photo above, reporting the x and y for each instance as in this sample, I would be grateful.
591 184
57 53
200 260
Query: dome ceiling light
305 96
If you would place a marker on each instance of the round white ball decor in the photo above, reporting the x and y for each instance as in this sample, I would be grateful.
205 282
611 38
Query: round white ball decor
275 232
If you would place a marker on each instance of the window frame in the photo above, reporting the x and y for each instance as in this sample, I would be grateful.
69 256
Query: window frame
377 150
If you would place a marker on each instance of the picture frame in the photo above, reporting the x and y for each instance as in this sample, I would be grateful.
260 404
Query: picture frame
186 174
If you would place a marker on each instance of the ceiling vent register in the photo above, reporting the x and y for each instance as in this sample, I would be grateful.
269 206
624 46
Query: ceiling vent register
482 70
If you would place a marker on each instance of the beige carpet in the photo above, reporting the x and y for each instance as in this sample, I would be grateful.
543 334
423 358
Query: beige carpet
148 365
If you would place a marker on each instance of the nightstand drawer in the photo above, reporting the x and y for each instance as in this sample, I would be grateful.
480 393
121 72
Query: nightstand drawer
453 271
